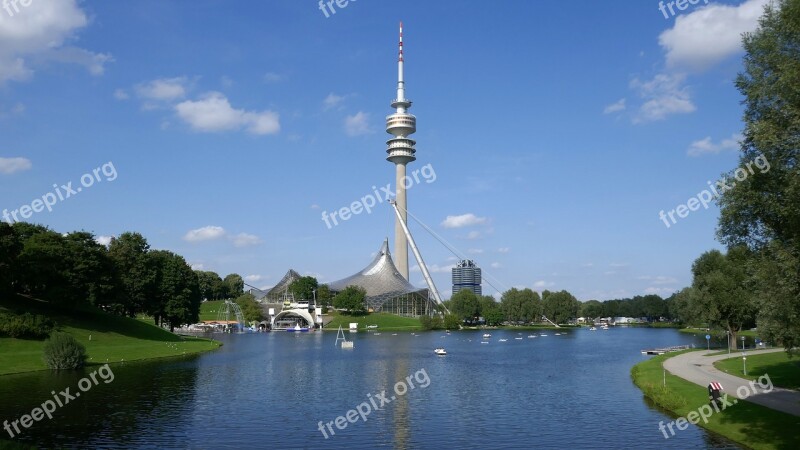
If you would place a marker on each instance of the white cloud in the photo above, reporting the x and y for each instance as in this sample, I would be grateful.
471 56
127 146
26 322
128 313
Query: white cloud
660 279
103 240
619 105
246 240
464 220
543 284
664 95
198 266
253 278
662 291
163 89
332 101
214 113
272 77
710 34
706 145
496 265
475 251
503 250
12 165
435 268
315 206
207 233
357 124
37 34
121 94
472 235
619 265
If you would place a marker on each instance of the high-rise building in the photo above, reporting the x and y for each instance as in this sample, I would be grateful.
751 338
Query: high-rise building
467 275
401 151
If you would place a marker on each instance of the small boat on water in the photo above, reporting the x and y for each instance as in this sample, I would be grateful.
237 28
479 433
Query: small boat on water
484 342
440 351
531 336
298 329
592 329
543 335
604 327
487 335
503 340
518 338
558 334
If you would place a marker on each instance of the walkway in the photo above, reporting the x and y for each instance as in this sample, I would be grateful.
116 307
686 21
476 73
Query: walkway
699 369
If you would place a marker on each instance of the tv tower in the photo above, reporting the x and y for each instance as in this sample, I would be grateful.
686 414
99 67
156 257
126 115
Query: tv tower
401 151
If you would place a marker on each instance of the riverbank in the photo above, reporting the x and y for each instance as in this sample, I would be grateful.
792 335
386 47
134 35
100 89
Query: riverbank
383 322
746 423
107 338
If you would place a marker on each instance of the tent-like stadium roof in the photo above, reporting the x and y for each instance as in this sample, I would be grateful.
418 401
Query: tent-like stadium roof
380 279
278 291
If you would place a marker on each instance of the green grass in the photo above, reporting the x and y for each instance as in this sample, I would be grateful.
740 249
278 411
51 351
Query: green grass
384 321
783 371
749 424
113 338
716 332
208 310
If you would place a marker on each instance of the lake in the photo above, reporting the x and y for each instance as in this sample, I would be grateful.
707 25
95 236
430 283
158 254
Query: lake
272 390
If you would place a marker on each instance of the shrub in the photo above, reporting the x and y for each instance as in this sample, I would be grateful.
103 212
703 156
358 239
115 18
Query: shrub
62 351
25 325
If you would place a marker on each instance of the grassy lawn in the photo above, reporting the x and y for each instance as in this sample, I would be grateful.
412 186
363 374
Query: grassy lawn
208 310
713 332
782 371
752 425
113 338
387 322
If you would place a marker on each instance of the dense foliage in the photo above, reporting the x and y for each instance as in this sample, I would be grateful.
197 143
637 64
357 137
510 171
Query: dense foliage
125 278
351 299
62 351
25 326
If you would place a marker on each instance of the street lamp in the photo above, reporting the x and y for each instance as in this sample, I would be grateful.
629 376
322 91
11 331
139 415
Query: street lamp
744 363
742 343
728 332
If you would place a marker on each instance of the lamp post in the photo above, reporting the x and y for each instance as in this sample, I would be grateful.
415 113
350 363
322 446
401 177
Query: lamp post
742 344
729 341
744 363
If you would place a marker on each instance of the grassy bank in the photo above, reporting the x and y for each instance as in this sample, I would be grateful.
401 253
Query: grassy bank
385 322
107 338
782 371
713 332
749 424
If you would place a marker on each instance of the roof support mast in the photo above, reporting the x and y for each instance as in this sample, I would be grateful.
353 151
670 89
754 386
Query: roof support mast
418 256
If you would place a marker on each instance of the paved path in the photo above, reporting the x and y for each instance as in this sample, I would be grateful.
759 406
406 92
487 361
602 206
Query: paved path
699 369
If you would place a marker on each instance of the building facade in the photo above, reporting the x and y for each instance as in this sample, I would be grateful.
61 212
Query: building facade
467 275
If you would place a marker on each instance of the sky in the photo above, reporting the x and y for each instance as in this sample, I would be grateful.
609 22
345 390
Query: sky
550 135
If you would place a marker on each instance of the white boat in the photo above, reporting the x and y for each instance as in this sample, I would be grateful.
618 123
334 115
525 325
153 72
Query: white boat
558 334
484 342
487 335
518 338
542 335
531 336
440 351
592 329
604 327
503 340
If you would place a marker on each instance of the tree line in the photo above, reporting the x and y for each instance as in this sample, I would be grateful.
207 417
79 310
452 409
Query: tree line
126 277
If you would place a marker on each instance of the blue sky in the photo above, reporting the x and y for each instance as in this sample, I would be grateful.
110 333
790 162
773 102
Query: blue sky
557 131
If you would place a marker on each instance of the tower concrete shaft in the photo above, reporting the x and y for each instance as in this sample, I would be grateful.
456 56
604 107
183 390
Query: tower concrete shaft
401 151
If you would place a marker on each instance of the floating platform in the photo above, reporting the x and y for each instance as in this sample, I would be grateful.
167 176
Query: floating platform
661 351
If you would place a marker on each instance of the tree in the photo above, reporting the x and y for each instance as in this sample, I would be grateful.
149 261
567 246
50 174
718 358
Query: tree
465 305
44 268
324 296
177 295
521 305
452 322
10 248
136 276
234 285
762 211
351 299
251 310
211 285
681 307
560 306
491 311
591 309
91 275
720 290
303 288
